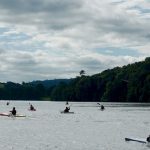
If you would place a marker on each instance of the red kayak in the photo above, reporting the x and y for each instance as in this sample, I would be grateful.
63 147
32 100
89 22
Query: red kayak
10 115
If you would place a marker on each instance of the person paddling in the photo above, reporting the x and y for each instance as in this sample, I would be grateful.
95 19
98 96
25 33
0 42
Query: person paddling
102 107
31 107
13 111
67 107
148 139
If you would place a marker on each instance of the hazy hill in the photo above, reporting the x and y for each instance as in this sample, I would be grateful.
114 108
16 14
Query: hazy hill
50 83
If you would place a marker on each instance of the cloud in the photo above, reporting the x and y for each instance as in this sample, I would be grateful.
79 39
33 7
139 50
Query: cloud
26 66
55 15
56 39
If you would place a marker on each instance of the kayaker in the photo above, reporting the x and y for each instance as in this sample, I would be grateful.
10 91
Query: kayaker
13 112
67 109
148 139
102 107
31 107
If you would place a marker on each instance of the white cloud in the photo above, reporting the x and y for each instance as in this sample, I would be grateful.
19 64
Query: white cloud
55 39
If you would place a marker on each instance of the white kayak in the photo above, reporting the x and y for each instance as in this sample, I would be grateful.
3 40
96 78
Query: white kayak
10 115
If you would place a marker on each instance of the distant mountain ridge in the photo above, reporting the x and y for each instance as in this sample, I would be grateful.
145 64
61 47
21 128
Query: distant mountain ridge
49 83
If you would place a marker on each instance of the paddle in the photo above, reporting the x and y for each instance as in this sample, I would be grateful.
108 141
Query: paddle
136 140
11 115
98 103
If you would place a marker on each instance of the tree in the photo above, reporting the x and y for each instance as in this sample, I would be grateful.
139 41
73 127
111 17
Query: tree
82 73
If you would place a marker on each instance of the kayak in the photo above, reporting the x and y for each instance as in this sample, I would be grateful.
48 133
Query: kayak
136 140
32 109
9 115
63 112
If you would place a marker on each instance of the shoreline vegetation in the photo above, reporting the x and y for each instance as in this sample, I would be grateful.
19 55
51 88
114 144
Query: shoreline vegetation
130 83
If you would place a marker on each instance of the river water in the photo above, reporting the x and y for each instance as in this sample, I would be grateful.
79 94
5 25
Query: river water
88 128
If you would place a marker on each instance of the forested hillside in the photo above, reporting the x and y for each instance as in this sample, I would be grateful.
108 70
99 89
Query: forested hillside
35 90
129 83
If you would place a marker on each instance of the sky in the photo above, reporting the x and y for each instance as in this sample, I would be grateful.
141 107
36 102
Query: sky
53 39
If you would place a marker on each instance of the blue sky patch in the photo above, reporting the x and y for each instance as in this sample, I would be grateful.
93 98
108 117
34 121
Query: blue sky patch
115 51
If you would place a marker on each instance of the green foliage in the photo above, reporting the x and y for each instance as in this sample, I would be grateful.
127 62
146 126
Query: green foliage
129 83
82 73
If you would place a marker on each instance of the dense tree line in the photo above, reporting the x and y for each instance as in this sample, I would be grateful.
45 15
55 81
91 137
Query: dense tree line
36 90
129 83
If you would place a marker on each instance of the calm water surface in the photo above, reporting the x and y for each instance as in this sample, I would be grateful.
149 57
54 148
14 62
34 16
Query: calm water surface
88 129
